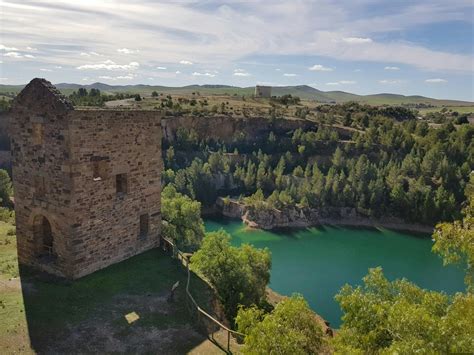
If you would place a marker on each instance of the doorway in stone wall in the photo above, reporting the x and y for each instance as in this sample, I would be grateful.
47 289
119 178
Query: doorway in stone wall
44 239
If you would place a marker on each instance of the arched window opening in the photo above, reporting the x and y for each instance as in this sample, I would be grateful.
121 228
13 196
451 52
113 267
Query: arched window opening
44 239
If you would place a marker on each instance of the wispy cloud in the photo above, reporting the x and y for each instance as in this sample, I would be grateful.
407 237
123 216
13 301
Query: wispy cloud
119 77
128 51
90 54
45 69
436 81
18 55
242 74
13 55
357 40
109 65
390 82
319 67
203 74
161 68
227 34
290 74
5 48
391 68
341 82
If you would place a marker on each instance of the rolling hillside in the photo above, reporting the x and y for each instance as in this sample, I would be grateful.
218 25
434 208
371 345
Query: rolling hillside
303 91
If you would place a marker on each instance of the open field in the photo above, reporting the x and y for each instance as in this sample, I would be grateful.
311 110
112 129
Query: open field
460 109
123 308
305 92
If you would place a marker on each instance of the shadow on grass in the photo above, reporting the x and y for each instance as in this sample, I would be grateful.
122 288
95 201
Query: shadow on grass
88 315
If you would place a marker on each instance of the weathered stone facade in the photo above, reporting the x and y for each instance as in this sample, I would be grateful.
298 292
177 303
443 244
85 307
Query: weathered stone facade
87 182
263 91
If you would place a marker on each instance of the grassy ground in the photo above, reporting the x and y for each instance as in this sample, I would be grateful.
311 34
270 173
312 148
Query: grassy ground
460 109
42 314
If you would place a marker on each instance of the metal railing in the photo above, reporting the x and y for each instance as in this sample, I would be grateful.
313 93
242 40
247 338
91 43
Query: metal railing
184 259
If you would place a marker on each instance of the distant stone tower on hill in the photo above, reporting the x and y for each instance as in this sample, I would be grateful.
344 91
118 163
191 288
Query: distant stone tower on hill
263 91
87 182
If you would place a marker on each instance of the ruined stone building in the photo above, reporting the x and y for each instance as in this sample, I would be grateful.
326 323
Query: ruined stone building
263 91
86 182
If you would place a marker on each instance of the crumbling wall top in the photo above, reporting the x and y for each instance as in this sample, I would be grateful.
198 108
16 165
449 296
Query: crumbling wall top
40 92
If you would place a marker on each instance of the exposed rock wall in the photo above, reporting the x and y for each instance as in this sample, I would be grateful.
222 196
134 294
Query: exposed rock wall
4 136
270 218
226 128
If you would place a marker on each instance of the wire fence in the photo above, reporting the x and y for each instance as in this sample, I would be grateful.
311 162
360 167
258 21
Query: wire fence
202 316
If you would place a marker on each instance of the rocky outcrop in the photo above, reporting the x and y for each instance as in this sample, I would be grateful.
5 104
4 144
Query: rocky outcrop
295 217
227 128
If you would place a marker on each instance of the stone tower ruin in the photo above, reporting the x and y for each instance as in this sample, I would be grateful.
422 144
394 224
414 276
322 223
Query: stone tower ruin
86 182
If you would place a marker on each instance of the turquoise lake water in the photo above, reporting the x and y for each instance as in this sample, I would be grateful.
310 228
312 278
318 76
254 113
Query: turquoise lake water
317 262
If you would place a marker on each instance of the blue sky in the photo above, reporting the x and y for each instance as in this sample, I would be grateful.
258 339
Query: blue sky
361 46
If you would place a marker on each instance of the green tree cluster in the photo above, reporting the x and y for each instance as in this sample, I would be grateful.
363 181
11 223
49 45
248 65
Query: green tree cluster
6 188
400 318
291 328
182 220
239 274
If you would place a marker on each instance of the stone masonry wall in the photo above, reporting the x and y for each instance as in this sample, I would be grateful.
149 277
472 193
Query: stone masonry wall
106 224
58 154
41 182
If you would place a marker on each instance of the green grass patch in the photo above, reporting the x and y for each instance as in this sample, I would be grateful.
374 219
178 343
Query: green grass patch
8 258
44 310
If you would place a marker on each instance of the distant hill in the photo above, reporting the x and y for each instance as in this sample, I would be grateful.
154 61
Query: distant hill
303 91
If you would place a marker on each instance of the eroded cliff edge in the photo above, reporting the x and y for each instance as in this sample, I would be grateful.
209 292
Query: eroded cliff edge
297 217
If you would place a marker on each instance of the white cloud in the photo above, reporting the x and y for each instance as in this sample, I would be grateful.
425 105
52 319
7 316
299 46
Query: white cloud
241 74
177 72
185 62
203 74
90 54
127 51
13 55
31 49
125 77
30 56
392 68
58 67
109 65
45 69
390 82
436 81
239 70
319 67
5 48
357 40
120 77
341 82
3 79
161 68
289 74
232 31
278 69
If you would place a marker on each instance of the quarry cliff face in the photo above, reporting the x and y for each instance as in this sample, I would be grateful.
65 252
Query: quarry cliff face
227 128
297 217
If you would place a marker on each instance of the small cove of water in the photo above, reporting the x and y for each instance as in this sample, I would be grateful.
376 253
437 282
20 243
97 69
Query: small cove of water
317 262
